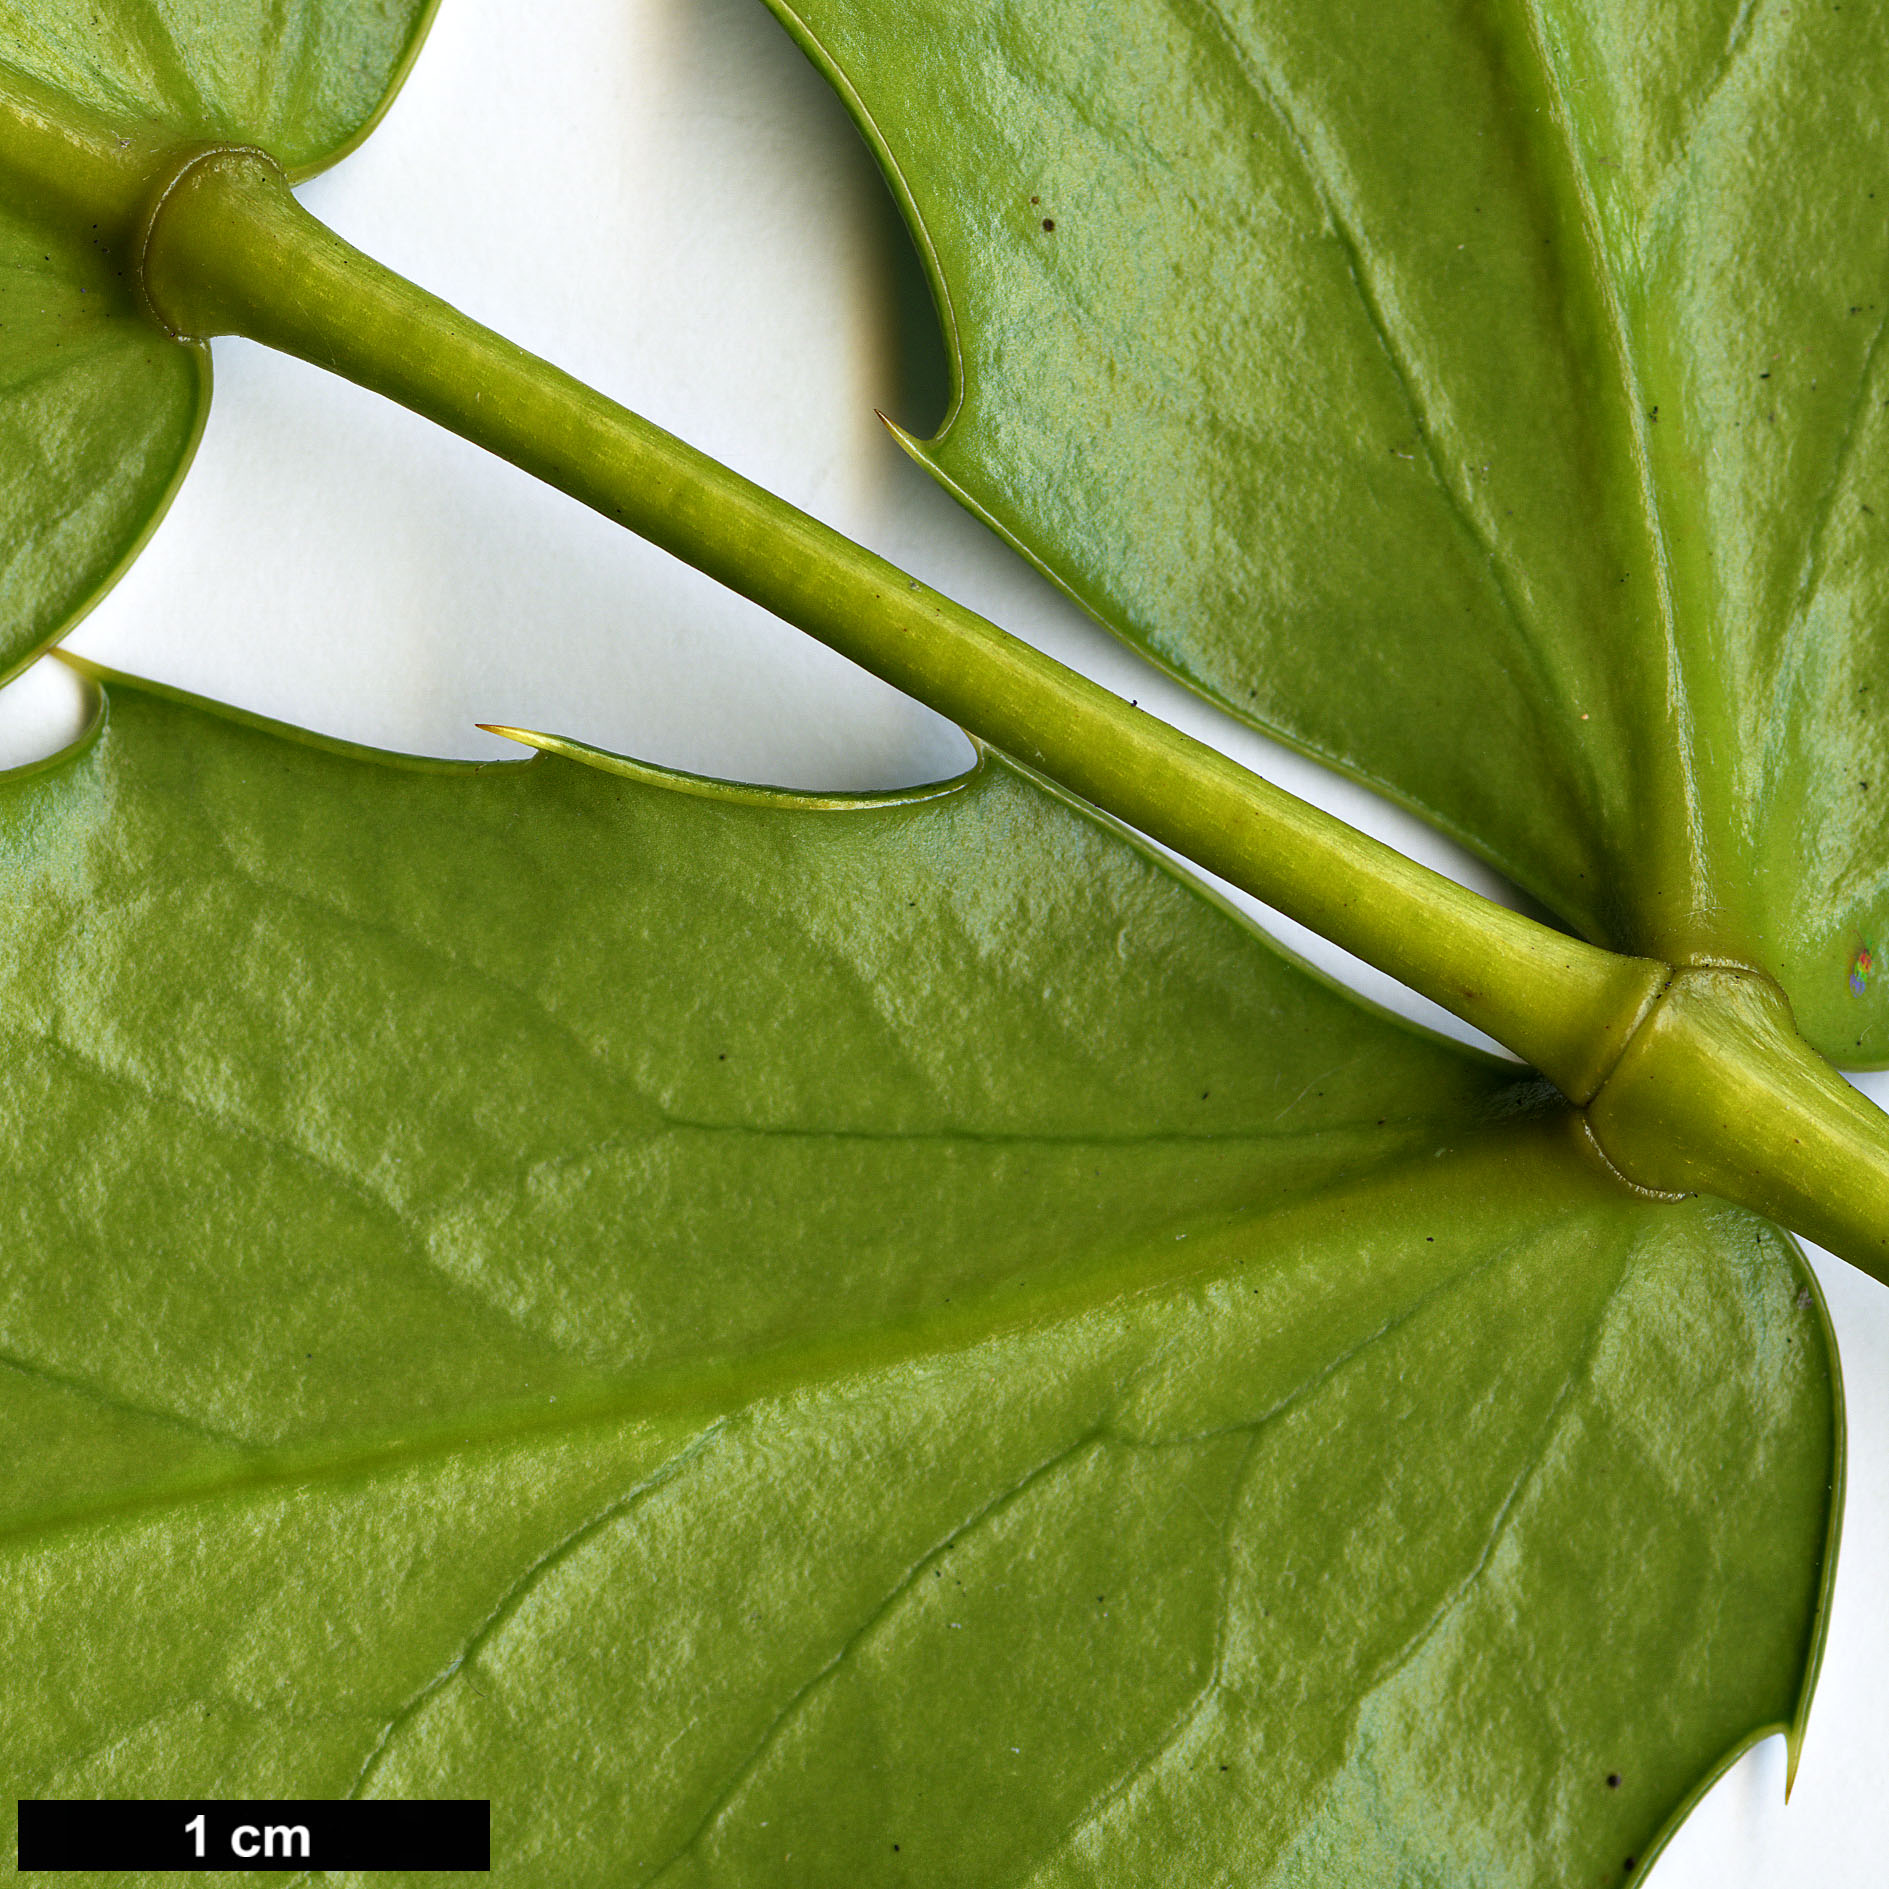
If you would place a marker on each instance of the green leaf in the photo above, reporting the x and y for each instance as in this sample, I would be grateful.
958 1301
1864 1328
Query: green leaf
99 411
795 1341
1389 372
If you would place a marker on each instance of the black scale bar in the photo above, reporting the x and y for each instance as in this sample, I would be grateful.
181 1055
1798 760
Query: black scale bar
225 1833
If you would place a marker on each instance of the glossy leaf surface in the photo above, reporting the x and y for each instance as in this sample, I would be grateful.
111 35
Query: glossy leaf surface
99 410
1392 372
800 1342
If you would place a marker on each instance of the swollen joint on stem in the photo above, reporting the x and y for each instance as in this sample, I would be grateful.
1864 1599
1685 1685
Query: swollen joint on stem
171 289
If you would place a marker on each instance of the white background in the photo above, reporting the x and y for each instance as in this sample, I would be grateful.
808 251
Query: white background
661 196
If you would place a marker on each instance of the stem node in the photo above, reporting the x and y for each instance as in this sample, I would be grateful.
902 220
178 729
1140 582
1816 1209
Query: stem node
1716 1093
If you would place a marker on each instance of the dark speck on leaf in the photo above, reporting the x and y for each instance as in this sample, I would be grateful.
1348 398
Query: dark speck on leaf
1613 1780
1049 222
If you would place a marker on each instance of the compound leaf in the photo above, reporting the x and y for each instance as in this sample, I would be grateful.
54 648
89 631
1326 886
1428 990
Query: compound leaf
898 1340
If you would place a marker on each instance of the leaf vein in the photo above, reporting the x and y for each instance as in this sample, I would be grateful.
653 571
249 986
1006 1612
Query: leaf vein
1780 726
1399 359
987 1512
514 1595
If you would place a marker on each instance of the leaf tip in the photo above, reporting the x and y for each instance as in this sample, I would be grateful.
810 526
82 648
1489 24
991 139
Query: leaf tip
909 444
524 736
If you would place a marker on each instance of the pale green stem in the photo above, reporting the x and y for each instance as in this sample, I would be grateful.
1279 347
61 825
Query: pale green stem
1713 1089
230 251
